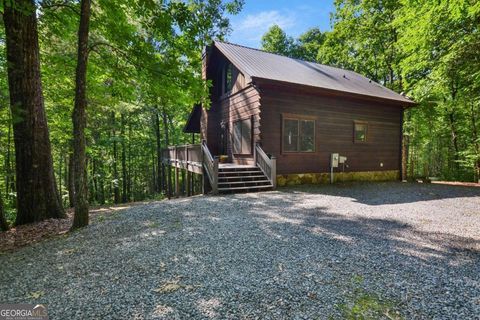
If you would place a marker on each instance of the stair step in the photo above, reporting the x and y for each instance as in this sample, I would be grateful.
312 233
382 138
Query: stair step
227 178
244 182
238 172
238 168
246 188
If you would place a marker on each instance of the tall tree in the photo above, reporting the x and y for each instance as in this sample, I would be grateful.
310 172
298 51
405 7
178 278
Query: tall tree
37 197
309 44
3 220
125 195
276 40
79 118
441 68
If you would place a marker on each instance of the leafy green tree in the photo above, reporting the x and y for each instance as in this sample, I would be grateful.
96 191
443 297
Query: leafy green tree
276 40
37 197
364 39
3 220
309 43
440 40
79 119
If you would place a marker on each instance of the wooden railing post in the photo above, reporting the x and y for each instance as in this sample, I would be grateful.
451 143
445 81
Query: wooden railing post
215 175
177 182
188 172
273 171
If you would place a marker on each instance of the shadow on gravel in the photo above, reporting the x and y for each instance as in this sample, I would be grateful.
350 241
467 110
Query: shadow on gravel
381 193
421 271
357 230
285 254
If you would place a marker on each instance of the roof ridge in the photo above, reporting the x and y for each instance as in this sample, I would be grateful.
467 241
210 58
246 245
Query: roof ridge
297 59
264 51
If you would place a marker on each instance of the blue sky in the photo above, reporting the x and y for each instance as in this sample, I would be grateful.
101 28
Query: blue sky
294 17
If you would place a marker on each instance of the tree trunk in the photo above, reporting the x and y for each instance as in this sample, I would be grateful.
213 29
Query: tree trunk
124 161
94 193
101 184
404 157
159 154
476 143
3 221
60 176
116 189
454 134
167 142
79 118
71 181
129 184
37 197
9 179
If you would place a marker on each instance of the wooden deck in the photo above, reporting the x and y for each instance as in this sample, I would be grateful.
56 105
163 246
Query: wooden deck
223 177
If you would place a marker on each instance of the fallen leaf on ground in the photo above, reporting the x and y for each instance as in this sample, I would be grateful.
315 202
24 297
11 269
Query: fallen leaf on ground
35 294
168 287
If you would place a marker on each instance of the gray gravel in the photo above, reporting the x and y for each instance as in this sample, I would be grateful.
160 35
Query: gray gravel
296 253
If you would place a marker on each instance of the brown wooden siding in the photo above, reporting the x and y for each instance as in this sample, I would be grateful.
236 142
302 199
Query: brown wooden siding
241 102
335 116
244 104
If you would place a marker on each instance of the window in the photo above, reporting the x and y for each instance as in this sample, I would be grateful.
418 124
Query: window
242 136
298 135
360 131
227 77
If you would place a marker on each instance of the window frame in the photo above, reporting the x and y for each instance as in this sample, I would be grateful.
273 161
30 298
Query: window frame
250 119
298 118
227 67
360 122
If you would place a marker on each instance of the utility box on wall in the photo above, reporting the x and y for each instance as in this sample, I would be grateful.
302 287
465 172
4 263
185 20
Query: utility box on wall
334 160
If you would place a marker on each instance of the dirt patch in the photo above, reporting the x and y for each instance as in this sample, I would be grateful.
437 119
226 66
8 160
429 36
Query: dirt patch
24 235
456 183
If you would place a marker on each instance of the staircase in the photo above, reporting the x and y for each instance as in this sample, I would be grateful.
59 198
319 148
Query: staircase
222 177
233 179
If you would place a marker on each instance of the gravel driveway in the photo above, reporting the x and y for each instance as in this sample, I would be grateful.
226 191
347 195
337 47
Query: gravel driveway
385 250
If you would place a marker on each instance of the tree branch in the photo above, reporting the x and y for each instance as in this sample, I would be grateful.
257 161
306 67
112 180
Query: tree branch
54 5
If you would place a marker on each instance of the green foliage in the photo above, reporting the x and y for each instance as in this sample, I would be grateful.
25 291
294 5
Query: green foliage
368 306
144 60
309 43
276 40
364 305
306 47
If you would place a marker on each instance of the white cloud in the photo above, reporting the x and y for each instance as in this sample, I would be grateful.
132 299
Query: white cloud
248 30
265 19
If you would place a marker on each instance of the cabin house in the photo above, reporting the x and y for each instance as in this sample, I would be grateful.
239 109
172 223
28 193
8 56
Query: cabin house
290 121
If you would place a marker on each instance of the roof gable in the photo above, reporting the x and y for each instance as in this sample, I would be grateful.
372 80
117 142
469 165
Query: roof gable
254 63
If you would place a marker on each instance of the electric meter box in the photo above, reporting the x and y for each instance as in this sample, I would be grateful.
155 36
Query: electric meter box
334 160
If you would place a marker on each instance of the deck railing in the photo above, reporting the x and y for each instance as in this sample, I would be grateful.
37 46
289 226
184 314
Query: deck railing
197 158
267 164
211 167
188 156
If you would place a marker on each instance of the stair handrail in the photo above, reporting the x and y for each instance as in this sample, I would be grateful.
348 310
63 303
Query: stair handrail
210 164
267 164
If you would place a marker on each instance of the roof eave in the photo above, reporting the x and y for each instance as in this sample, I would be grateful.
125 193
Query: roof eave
407 103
